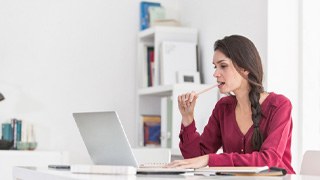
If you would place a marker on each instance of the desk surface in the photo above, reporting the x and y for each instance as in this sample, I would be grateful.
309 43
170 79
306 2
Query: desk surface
32 173
11 158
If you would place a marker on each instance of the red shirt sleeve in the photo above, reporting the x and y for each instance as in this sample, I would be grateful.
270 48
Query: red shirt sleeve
193 145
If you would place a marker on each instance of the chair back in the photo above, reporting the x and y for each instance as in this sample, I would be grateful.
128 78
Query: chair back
310 163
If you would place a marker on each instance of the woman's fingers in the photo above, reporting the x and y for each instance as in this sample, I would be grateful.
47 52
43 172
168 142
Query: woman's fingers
185 166
186 103
183 100
177 163
196 162
192 96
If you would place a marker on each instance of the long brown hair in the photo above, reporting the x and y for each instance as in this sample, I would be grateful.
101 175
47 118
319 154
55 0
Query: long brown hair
244 54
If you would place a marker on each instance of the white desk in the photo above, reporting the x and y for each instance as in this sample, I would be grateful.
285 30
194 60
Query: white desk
32 173
11 158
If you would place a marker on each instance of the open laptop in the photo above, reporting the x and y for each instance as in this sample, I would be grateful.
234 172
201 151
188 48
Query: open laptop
107 142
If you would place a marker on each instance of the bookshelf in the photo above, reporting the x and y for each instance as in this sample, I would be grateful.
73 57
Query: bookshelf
153 37
161 100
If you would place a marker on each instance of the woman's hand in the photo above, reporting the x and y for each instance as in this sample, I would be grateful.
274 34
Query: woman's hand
198 162
186 103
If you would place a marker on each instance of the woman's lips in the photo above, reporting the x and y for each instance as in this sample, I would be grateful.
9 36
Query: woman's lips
220 84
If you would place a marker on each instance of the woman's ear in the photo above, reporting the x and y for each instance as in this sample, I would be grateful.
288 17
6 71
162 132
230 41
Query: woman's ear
245 72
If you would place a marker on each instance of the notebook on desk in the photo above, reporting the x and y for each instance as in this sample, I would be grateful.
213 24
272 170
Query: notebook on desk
107 142
242 171
231 169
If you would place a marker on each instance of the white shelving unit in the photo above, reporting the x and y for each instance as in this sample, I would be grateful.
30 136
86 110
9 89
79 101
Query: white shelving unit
150 103
162 99
154 37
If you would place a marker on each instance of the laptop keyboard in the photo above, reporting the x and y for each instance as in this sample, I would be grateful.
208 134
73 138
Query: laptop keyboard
153 165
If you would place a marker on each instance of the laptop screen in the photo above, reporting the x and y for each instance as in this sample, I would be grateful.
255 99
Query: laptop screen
104 138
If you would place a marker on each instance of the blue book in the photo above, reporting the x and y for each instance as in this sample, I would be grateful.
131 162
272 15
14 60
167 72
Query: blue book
7 132
154 133
144 13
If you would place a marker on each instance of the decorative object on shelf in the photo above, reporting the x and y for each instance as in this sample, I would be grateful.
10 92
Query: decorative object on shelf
30 138
15 138
1 97
26 145
32 146
5 145
22 145
188 77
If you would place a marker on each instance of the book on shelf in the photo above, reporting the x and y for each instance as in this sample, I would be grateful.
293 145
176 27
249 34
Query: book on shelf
165 22
148 71
151 130
12 131
7 132
16 126
144 13
150 65
156 13
20 133
18 130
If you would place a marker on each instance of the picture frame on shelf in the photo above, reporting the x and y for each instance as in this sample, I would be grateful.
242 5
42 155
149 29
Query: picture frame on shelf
188 77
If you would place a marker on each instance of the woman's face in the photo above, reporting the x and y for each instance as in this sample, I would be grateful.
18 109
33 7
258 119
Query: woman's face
228 77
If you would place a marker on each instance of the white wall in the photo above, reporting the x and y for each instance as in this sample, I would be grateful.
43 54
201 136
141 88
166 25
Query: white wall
310 64
283 73
64 56
216 19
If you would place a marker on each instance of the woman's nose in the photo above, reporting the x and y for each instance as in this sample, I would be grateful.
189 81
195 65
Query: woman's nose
216 73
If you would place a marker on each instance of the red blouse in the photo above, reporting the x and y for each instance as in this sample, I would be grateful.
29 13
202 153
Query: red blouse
223 131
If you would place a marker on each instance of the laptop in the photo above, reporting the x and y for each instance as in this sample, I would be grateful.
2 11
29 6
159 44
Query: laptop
107 142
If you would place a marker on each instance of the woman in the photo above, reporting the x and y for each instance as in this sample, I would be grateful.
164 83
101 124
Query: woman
252 126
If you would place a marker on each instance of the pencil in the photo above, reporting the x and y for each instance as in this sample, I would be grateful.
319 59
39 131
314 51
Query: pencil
207 89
